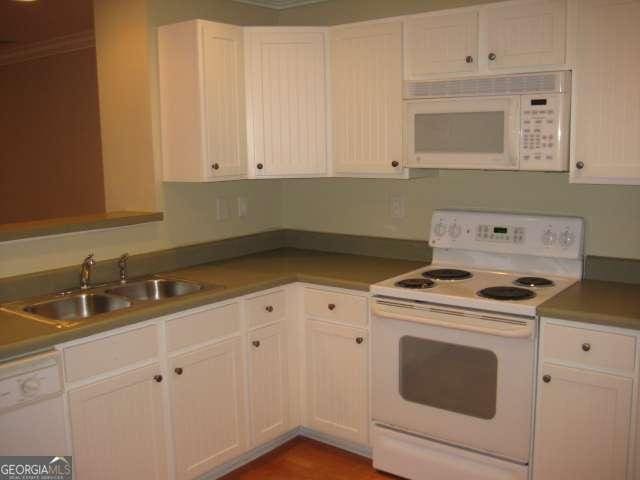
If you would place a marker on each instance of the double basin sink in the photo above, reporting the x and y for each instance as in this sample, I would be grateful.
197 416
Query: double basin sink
68 309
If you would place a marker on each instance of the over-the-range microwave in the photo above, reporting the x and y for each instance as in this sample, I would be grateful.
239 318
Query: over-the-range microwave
515 122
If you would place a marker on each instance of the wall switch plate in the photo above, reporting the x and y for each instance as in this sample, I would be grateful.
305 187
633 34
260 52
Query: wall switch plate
243 207
396 206
222 209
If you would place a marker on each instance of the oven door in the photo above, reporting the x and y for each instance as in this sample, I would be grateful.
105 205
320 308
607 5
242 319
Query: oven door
474 132
454 375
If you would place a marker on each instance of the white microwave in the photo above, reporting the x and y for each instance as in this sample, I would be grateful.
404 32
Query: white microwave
515 122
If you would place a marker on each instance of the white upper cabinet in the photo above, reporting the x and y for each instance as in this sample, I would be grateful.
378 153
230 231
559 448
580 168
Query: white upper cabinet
441 43
605 52
287 101
201 70
525 34
366 99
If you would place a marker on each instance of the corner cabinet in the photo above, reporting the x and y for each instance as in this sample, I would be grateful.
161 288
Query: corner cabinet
605 52
286 75
202 101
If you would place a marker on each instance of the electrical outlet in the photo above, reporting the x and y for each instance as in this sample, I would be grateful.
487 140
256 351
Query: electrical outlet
243 207
396 206
222 209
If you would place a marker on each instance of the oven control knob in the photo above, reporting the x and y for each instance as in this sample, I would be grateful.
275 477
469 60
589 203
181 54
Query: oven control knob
440 229
548 237
30 386
455 230
566 238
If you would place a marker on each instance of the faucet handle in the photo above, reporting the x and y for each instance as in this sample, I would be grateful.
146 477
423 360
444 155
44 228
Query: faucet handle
90 260
122 261
122 264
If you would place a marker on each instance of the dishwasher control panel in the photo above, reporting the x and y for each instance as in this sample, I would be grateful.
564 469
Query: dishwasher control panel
28 380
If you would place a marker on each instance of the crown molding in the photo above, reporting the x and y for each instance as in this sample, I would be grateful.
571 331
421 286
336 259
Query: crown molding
47 48
280 4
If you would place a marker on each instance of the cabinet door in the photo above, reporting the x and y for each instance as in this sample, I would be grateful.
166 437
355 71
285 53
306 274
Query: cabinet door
117 427
207 406
287 102
337 381
606 115
582 425
366 90
223 98
436 44
526 34
268 383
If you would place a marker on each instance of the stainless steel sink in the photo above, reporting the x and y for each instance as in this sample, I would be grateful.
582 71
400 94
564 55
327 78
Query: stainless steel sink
78 306
155 289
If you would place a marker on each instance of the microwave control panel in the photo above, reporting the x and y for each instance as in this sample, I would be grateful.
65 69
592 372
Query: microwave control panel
543 132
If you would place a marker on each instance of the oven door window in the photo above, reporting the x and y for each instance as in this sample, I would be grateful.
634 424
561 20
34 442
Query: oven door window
459 132
450 377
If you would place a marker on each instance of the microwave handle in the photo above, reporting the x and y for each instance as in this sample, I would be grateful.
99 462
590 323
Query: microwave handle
520 331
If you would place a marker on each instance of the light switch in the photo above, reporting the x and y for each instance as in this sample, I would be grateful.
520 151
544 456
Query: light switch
243 207
222 207
396 206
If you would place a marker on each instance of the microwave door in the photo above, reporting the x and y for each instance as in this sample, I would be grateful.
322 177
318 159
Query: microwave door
471 133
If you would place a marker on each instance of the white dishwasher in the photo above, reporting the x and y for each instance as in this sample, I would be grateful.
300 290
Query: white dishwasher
32 420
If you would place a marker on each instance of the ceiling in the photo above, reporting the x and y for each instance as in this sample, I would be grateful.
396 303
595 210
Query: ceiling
280 4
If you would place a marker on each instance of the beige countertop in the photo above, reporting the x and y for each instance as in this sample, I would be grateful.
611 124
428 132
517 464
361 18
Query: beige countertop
592 301
239 276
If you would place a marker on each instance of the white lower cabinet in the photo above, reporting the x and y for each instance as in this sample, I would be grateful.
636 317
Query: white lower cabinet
208 407
268 386
337 381
117 427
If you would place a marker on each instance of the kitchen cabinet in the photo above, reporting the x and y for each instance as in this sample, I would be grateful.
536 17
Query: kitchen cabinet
117 427
366 99
286 75
208 407
338 381
268 385
604 49
202 101
441 43
525 34
584 403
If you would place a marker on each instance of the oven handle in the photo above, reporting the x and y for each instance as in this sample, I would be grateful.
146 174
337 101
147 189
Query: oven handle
522 331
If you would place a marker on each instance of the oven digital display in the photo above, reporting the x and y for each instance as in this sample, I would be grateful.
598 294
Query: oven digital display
501 230
539 101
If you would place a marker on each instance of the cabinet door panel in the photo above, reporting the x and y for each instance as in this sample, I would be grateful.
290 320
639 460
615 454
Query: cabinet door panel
286 79
437 44
117 427
337 381
582 425
208 407
366 91
268 383
527 34
606 114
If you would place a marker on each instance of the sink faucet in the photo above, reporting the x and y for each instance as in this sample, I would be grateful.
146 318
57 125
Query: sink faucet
122 264
85 272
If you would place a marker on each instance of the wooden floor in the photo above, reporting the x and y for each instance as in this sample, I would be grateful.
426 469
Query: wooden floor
305 459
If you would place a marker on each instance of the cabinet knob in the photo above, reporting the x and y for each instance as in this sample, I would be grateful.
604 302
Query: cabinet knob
178 370
395 163
256 343
492 56
469 59
215 166
579 165
359 340
546 378
586 347
269 308
259 166
332 306
157 378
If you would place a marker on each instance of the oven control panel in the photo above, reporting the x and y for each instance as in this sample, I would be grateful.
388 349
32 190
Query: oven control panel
549 236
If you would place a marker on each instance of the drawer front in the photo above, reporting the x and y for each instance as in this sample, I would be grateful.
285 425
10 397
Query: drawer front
590 348
337 307
266 308
203 326
110 353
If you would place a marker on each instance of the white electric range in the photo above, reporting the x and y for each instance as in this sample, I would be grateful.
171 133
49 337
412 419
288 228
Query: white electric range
454 345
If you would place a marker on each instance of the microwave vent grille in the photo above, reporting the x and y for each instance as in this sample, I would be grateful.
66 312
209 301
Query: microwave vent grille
470 87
